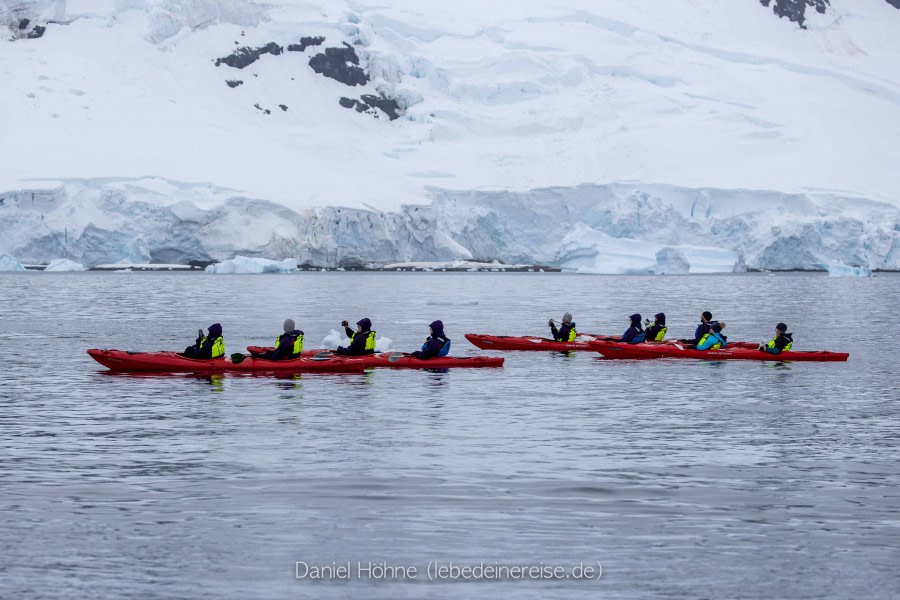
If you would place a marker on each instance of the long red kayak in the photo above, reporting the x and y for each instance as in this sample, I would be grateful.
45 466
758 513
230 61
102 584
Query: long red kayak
510 342
400 360
675 350
172 362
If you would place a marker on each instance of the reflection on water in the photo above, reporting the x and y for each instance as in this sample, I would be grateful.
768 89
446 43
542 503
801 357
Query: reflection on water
738 479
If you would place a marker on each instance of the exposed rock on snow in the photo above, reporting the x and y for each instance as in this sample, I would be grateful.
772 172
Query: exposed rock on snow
368 103
243 57
341 64
306 42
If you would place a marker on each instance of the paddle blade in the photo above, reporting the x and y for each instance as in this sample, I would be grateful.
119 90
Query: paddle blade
395 356
237 358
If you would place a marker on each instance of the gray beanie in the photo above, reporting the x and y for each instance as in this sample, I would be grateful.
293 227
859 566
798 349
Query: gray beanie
567 318
289 325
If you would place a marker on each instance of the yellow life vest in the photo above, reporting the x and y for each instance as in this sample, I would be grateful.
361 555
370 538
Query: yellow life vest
706 336
771 344
218 347
370 340
661 335
298 344
572 335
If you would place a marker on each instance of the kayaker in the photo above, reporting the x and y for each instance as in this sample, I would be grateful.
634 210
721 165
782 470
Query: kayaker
437 343
288 345
566 331
713 340
635 333
207 346
362 341
782 341
702 329
657 331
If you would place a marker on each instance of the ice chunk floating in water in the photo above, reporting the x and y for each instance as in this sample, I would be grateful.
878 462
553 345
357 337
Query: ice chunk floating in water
64 264
246 264
8 263
838 269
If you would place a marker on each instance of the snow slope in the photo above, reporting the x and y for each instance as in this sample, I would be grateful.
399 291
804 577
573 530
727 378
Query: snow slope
119 118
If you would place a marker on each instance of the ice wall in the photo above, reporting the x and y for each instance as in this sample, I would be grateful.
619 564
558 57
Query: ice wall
614 228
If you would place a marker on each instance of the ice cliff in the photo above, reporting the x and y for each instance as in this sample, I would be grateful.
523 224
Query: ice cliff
614 228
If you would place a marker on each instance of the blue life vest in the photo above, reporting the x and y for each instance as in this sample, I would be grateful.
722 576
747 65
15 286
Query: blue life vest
445 349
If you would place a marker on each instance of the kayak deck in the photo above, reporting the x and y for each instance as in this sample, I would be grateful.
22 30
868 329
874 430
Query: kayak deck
738 352
172 362
510 342
401 360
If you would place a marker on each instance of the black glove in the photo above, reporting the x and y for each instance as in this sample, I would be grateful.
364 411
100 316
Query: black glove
345 323
199 336
551 323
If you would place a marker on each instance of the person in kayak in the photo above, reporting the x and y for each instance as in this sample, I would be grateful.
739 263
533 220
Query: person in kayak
362 341
437 343
702 329
566 331
207 346
288 345
782 341
657 331
713 340
635 333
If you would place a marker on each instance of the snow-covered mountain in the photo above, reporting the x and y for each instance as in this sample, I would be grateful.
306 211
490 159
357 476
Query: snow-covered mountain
615 136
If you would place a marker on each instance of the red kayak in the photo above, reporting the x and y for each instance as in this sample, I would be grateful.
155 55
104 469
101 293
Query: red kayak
509 342
304 354
738 352
401 360
172 362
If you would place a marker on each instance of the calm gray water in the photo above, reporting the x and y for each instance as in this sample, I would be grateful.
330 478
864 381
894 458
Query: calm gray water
684 479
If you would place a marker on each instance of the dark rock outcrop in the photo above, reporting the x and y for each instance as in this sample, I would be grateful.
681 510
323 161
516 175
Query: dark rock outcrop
894 3
233 83
305 42
245 56
340 64
37 32
369 102
795 10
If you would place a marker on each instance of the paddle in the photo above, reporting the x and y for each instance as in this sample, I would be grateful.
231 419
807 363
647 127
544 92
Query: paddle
237 358
395 356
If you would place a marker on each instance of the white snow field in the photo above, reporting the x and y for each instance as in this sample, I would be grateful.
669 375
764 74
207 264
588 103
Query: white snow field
622 136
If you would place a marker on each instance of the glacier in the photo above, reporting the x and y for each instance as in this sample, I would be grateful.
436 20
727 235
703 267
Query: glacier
613 228
626 137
